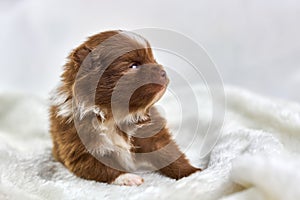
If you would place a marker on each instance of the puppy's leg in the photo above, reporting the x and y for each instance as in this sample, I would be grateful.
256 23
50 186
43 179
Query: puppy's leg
167 154
180 167
88 167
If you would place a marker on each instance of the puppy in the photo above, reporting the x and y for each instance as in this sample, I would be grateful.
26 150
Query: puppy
102 119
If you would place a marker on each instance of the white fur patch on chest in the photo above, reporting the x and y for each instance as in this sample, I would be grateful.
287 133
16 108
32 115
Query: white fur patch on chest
111 143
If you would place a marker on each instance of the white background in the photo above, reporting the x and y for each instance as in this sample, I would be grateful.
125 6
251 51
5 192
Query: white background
254 43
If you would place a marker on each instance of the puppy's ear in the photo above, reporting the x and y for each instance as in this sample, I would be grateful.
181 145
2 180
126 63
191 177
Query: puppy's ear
85 84
80 54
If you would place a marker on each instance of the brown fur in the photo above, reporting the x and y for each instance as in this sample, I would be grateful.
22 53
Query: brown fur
73 144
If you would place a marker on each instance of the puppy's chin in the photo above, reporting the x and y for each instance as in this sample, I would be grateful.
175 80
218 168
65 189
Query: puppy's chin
158 96
146 96
161 89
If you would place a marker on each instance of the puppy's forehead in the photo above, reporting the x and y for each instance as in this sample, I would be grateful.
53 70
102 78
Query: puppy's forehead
139 47
142 42
128 46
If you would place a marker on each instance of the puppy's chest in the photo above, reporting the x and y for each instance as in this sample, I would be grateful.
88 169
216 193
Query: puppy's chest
117 144
117 138
112 140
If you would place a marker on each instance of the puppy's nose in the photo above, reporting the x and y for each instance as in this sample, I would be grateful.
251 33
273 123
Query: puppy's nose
163 73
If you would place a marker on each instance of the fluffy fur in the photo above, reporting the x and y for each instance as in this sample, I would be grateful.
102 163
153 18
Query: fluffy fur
98 131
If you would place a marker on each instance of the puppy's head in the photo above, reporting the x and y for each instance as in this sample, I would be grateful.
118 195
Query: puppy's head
116 72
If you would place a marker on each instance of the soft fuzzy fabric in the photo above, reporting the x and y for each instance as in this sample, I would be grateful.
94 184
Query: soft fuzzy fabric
256 156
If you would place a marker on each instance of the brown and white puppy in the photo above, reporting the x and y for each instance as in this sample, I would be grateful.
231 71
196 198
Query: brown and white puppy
103 122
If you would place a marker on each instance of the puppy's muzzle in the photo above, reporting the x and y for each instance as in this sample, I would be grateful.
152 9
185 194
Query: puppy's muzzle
158 74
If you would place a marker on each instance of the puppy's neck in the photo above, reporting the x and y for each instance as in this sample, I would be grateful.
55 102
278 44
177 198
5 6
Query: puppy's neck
139 117
133 118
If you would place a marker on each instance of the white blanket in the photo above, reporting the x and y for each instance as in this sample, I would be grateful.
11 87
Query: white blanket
256 157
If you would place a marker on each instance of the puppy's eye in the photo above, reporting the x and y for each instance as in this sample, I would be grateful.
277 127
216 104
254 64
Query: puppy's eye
134 66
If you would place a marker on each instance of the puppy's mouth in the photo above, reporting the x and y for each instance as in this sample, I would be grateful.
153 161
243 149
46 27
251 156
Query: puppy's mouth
160 85
161 88
162 81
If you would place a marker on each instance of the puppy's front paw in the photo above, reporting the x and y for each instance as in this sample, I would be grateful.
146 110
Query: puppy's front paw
129 180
